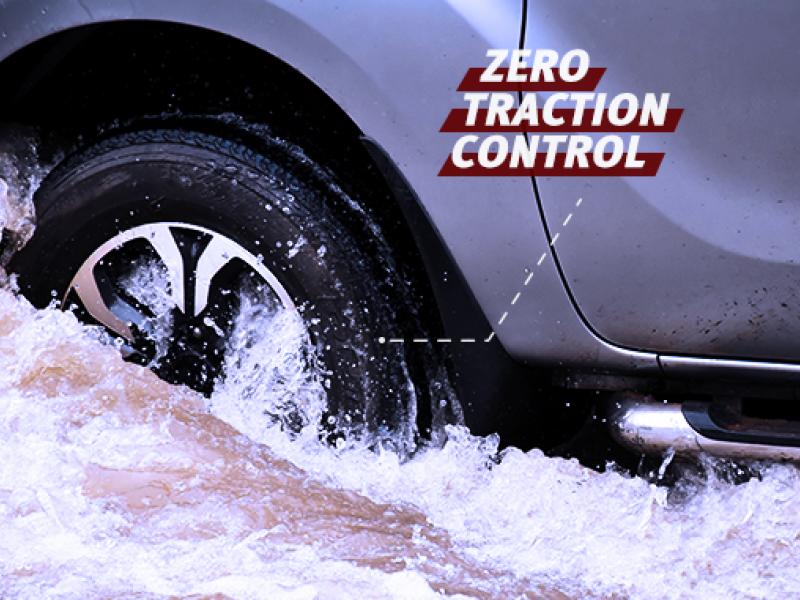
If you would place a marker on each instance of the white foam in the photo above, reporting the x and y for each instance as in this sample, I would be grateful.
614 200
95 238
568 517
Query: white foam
114 484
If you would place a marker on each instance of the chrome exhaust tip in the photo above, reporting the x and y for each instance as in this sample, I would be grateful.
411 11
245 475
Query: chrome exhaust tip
645 425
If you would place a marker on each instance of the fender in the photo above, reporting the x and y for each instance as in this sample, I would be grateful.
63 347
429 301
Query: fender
397 89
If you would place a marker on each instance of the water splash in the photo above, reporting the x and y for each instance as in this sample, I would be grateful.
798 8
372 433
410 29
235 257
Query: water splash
270 374
20 176
113 483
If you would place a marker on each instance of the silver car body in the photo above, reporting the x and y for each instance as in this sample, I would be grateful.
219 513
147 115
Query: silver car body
693 270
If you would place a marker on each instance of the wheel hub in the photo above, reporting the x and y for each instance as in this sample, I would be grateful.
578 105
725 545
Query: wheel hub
169 292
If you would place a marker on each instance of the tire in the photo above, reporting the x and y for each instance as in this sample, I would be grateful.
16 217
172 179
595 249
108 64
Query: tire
341 275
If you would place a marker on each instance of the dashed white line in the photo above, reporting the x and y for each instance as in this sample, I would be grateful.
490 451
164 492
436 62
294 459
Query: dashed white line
514 299
542 258
383 340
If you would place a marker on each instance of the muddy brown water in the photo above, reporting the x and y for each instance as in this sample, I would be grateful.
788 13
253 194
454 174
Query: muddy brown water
115 484
196 478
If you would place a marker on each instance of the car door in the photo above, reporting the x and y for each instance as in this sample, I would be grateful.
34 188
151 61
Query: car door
704 258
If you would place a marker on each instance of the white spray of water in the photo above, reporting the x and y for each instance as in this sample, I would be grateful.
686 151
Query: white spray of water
20 176
115 484
269 379
147 283
563 526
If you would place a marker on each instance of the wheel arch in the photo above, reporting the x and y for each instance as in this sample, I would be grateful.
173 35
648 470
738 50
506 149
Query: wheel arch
84 82
68 53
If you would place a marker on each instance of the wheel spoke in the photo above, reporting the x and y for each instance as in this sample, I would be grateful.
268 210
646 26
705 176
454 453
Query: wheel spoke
160 238
216 255
219 252
85 286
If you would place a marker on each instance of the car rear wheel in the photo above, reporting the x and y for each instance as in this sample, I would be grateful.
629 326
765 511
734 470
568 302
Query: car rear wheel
218 221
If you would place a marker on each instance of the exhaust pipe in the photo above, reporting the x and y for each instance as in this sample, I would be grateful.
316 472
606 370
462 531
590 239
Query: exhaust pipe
652 427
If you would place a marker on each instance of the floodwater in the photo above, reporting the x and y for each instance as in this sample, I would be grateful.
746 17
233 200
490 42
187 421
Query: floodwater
114 484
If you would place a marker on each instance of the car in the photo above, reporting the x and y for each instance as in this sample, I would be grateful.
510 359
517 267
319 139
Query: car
297 146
